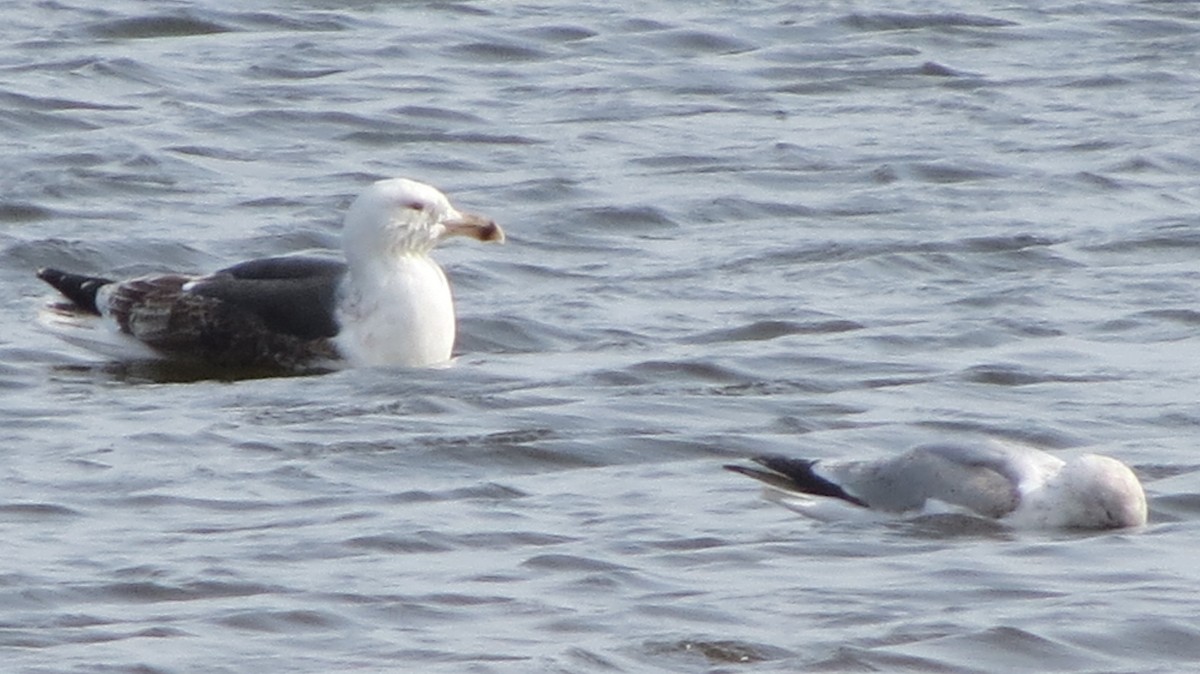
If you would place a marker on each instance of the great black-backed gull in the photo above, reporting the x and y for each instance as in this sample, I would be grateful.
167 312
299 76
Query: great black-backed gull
388 303
1018 485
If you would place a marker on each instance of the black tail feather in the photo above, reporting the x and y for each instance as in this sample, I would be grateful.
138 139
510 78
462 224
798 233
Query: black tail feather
80 289
795 475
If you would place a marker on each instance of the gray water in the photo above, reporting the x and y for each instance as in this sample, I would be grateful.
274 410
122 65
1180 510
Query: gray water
820 229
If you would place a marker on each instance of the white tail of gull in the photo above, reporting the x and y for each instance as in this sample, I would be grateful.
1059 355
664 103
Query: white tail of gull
388 303
1018 485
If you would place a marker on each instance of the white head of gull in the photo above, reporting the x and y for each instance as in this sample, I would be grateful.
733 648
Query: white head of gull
396 303
1086 492
388 304
1018 485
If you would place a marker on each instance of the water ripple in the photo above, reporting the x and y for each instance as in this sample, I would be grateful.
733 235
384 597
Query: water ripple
735 229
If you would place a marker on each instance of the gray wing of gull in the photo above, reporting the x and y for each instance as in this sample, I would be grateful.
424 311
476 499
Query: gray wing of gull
294 296
983 479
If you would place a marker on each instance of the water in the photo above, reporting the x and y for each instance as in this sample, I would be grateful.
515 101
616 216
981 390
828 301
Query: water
819 229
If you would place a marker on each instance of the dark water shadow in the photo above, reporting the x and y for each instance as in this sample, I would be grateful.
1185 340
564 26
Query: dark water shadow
180 372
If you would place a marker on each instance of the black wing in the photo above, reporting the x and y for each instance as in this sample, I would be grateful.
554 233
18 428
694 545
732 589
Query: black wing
794 475
292 295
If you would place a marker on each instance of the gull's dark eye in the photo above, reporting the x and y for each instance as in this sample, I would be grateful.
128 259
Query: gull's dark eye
415 205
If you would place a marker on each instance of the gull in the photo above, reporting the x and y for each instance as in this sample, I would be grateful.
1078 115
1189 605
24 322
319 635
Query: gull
387 303
1017 485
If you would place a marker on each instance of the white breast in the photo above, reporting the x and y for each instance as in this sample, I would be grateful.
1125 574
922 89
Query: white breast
401 316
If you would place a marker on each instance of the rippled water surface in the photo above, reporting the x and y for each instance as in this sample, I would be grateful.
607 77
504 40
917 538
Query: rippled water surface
821 229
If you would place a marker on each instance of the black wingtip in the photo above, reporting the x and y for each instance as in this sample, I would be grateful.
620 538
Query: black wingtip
769 477
80 289
794 475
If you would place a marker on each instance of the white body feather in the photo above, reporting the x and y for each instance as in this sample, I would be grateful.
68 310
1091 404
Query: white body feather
93 333
404 317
